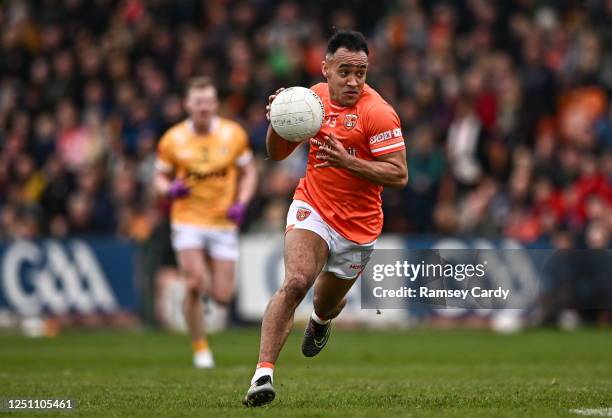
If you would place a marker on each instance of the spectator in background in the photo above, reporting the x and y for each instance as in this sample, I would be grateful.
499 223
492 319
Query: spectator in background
462 149
426 162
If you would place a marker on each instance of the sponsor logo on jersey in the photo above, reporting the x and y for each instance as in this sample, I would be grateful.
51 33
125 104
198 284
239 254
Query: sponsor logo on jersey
383 136
198 175
356 266
302 213
316 142
350 121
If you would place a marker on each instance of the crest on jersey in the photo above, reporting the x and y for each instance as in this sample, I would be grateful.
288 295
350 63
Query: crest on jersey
302 213
350 120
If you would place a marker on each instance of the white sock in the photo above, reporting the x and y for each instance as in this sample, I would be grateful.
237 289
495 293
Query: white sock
318 320
263 371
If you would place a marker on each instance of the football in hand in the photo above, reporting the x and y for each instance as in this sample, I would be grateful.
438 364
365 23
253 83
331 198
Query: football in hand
296 114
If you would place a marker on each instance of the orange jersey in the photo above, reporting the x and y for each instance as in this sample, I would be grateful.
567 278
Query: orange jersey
209 166
350 204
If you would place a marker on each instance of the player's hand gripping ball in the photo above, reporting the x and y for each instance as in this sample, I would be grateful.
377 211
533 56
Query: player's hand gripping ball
296 114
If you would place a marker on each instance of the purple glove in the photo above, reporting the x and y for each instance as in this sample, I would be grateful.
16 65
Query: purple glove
177 189
237 213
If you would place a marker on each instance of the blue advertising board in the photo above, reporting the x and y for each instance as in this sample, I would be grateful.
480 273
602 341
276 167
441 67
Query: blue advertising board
79 276
261 273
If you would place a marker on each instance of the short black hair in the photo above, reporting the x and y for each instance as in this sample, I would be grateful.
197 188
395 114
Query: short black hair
350 39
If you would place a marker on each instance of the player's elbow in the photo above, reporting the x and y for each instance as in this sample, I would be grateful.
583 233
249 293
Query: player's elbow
400 181
405 179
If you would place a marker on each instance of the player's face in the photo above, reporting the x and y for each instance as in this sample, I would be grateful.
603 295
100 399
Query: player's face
202 105
345 72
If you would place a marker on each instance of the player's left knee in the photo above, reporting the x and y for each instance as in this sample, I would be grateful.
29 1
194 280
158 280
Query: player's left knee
194 289
295 288
223 298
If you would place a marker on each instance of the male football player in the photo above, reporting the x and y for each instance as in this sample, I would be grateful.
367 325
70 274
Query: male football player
205 165
336 214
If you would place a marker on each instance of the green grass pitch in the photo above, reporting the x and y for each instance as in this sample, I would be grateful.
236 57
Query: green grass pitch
458 373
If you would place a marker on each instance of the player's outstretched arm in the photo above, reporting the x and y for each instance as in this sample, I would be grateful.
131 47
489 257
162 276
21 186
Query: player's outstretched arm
387 170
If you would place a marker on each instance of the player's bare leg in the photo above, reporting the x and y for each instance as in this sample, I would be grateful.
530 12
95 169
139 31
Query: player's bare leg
329 294
194 269
329 300
223 279
221 288
305 256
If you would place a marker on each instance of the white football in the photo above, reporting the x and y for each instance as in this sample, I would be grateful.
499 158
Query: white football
296 114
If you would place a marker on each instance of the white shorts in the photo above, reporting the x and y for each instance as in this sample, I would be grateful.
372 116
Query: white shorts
347 259
220 244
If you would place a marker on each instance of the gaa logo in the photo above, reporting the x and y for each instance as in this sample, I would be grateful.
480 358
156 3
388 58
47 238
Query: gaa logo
302 213
54 277
350 121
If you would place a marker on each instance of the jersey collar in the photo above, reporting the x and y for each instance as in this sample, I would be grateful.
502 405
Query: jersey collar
337 107
214 124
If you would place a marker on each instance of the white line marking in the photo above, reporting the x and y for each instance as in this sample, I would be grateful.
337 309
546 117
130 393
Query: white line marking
594 412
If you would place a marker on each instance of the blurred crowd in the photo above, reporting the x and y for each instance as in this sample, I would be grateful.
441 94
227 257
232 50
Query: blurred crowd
504 105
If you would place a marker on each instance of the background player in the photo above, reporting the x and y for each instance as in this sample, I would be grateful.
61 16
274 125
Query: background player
206 166
336 214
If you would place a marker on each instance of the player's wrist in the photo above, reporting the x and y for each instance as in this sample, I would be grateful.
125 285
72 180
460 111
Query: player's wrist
237 212
352 163
177 189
